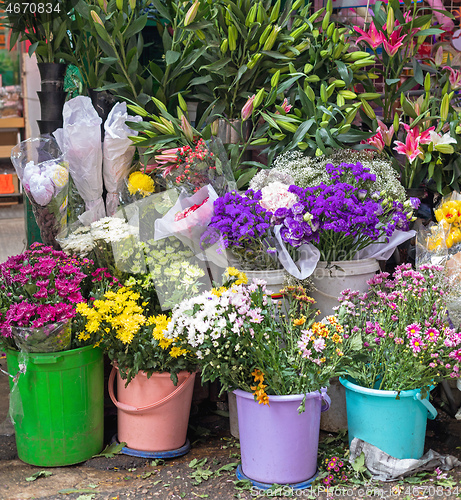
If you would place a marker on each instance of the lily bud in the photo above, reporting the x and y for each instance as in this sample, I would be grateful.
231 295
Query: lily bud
247 109
191 13
390 21
214 128
187 129
96 18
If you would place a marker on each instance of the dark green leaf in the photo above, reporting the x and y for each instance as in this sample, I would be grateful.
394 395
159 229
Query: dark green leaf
171 57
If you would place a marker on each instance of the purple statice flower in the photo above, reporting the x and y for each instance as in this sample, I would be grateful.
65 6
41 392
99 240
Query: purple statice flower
238 220
339 217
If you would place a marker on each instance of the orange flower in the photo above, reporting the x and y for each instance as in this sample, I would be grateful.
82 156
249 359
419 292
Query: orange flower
258 376
300 321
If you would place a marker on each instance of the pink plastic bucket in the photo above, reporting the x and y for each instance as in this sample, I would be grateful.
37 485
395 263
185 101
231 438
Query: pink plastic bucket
277 444
153 413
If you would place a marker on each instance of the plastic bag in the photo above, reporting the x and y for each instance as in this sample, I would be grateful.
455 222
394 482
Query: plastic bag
53 337
44 174
440 244
80 140
118 151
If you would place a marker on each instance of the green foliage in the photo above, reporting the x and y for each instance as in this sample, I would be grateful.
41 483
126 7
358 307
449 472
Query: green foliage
47 31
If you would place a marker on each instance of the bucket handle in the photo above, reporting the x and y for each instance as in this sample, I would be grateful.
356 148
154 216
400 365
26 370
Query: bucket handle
431 411
326 399
157 404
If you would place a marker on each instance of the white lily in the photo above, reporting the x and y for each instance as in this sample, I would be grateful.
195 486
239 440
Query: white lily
441 139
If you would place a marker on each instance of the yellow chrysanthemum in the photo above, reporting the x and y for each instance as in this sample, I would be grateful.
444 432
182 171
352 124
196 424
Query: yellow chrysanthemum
140 183
300 321
218 291
241 277
165 343
336 338
175 352
83 336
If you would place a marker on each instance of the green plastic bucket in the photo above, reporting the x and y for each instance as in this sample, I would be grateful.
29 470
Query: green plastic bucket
395 426
57 405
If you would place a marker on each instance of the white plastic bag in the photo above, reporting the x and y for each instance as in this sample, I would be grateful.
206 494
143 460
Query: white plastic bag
118 151
80 140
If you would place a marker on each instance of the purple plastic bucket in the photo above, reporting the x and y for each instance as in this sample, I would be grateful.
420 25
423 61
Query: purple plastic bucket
277 444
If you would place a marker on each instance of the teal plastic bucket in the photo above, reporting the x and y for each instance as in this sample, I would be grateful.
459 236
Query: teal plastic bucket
395 426
57 405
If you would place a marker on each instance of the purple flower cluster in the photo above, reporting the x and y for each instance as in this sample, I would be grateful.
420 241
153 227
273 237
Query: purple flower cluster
40 286
340 217
238 220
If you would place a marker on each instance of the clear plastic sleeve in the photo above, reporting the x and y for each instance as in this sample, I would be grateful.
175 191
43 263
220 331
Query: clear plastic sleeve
44 174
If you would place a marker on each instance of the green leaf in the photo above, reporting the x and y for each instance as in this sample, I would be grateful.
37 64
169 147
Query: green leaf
171 57
136 26
303 129
359 463
162 10
111 450
246 177
108 60
42 473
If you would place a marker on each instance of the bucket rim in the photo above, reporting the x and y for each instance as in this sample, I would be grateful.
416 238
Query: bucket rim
410 393
67 352
287 397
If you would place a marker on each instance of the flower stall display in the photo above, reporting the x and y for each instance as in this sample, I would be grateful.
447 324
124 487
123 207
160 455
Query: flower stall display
155 377
402 346
241 339
52 378
44 174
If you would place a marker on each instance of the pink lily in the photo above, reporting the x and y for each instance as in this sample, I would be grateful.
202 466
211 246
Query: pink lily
393 43
286 107
377 141
373 37
247 109
386 133
167 156
454 78
411 146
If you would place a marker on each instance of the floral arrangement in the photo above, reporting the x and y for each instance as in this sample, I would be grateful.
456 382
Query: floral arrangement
237 334
120 324
339 218
243 226
188 166
398 331
40 289
304 171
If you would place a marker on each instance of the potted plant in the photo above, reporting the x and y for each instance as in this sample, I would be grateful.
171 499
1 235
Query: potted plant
402 347
53 378
277 365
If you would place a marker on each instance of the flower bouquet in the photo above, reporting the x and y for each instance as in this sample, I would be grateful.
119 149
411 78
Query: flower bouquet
240 338
44 173
39 293
398 331
345 215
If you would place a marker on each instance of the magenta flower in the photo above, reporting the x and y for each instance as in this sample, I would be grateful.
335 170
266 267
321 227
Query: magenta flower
386 133
393 43
410 148
432 334
416 344
454 78
373 37
413 330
